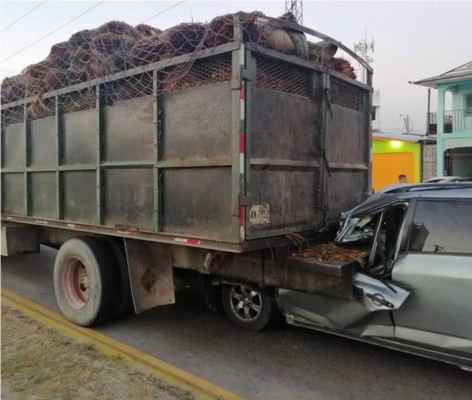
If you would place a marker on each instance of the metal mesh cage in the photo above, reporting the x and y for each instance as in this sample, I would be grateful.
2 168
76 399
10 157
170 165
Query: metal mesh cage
13 115
202 72
78 101
283 77
41 108
345 95
138 85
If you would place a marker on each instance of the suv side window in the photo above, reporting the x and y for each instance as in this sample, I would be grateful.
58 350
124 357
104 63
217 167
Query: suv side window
442 227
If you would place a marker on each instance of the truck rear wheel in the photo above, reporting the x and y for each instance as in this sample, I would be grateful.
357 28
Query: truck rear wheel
247 307
85 281
124 305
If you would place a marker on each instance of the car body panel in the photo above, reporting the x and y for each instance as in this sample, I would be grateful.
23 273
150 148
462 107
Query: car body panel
439 311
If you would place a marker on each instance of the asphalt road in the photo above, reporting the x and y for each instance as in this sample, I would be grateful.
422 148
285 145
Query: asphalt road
281 363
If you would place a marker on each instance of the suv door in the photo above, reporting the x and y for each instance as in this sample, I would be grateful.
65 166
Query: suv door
436 263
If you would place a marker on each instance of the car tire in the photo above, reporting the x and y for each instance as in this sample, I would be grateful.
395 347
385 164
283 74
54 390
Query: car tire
85 281
247 306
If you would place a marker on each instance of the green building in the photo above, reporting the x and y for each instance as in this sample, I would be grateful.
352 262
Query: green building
453 120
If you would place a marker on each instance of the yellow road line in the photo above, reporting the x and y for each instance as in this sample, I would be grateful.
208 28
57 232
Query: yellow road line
198 386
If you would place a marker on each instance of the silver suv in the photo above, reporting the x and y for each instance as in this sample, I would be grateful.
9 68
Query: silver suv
414 291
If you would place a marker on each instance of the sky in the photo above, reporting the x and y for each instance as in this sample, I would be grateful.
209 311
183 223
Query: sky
413 40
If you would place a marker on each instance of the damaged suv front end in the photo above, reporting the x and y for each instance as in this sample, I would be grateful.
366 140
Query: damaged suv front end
399 288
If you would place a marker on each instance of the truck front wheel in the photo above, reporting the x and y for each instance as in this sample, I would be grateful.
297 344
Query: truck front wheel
247 307
85 281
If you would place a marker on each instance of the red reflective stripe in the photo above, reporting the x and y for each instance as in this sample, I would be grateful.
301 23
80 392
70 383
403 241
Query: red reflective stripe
242 92
241 216
193 241
241 143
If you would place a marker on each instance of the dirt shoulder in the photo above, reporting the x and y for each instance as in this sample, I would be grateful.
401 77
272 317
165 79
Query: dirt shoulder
41 363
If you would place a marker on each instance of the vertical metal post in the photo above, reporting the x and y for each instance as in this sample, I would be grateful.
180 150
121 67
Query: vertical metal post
2 162
249 79
99 135
58 115
428 112
369 132
323 166
27 199
157 121
237 139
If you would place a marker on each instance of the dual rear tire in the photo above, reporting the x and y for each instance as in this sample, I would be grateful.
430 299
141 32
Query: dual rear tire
90 281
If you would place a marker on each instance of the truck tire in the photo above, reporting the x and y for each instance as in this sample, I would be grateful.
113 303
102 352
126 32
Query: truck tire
247 306
85 281
124 305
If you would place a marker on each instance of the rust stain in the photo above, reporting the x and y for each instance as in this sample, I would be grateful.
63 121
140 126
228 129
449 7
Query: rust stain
148 279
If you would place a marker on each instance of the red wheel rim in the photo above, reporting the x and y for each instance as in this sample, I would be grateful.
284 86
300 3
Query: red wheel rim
76 283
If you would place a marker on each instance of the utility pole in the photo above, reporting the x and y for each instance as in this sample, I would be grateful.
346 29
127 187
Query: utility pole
363 48
296 8
407 122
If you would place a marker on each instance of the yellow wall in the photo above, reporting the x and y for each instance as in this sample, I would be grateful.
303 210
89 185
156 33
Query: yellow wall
391 158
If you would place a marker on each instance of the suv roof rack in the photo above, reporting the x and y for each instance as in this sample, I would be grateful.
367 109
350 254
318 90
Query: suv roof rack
431 186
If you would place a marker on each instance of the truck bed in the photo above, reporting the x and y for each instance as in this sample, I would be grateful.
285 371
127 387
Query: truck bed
234 160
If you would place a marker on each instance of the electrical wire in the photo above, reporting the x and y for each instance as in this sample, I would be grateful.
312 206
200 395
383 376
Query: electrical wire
54 30
24 15
163 11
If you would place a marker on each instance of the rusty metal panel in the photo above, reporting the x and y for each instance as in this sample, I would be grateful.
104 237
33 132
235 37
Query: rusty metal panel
291 198
283 126
42 142
128 128
197 123
128 197
79 137
43 194
150 273
346 139
14 146
330 278
197 201
346 189
13 193
347 146
78 195
283 185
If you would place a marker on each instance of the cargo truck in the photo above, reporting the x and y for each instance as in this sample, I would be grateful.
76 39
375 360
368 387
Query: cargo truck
221 181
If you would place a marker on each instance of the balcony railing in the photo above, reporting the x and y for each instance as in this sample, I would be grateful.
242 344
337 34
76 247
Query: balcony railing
454 121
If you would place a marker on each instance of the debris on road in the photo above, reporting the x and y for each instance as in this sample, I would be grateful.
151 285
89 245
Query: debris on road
330 251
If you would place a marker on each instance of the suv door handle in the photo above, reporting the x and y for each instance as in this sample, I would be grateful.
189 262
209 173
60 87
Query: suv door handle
378 300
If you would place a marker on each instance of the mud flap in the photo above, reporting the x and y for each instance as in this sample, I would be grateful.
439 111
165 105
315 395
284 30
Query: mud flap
379 295
150 274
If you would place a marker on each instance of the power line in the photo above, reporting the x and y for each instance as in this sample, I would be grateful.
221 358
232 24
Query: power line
24 15
163 11
54 31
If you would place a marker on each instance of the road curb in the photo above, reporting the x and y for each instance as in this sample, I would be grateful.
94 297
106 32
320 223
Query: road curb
198 386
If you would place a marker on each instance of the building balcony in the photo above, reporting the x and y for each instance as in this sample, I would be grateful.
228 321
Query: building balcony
454 121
